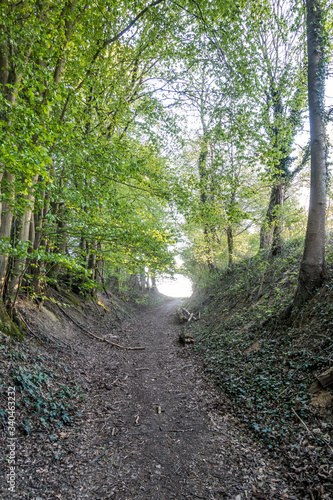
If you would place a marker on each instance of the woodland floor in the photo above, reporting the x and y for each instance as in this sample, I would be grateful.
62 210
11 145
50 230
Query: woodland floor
151 428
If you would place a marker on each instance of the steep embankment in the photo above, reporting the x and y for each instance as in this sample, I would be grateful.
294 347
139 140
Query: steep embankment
269 367
96 421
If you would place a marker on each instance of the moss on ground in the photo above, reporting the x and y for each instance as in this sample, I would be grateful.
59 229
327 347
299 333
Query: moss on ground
7 325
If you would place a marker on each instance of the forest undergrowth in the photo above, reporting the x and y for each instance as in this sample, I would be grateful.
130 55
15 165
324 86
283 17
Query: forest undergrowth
267 365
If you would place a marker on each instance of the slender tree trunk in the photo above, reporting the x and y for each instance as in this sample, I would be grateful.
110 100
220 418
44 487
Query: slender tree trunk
100 264
276 247
10 81
271 228
7 76
92 264
204 198
84 251
39 221
114 283
266 229
230 234
22 236
92 259
143 281
134 283
6 222
230 239
312 270
1 175
36 238
61 245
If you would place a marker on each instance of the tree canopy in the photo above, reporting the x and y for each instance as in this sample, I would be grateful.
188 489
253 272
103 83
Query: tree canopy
129 127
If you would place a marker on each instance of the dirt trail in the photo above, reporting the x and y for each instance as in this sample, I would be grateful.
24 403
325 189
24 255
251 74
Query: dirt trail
153 429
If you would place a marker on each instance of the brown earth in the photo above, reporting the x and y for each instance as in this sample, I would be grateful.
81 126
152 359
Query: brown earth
152 427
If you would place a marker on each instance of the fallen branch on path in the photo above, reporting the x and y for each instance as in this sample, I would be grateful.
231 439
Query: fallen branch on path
310 432
97 458
302 421
186 316
89 334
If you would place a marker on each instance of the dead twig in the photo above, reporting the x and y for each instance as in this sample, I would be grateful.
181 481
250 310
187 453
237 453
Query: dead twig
302 421
310 432
97 458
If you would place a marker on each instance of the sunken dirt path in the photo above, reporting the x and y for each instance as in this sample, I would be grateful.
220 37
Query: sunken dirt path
153 429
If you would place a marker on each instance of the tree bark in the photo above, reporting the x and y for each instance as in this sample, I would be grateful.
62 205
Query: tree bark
202 163
22 236
230 239
278 219
60 244
271 228
6 222
1 175
143 281
312 270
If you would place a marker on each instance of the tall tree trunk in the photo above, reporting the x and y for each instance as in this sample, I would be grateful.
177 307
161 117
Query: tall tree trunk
312 270
61 244
143 281
153 282
271 228
230 218
204 198
114 283
6 221
84 251
100 266
230 239
92 259
37 241
266 229
278 219
39 220
1 175
22 236
9 82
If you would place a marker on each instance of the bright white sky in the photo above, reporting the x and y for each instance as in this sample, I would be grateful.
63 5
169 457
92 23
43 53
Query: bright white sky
179 286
